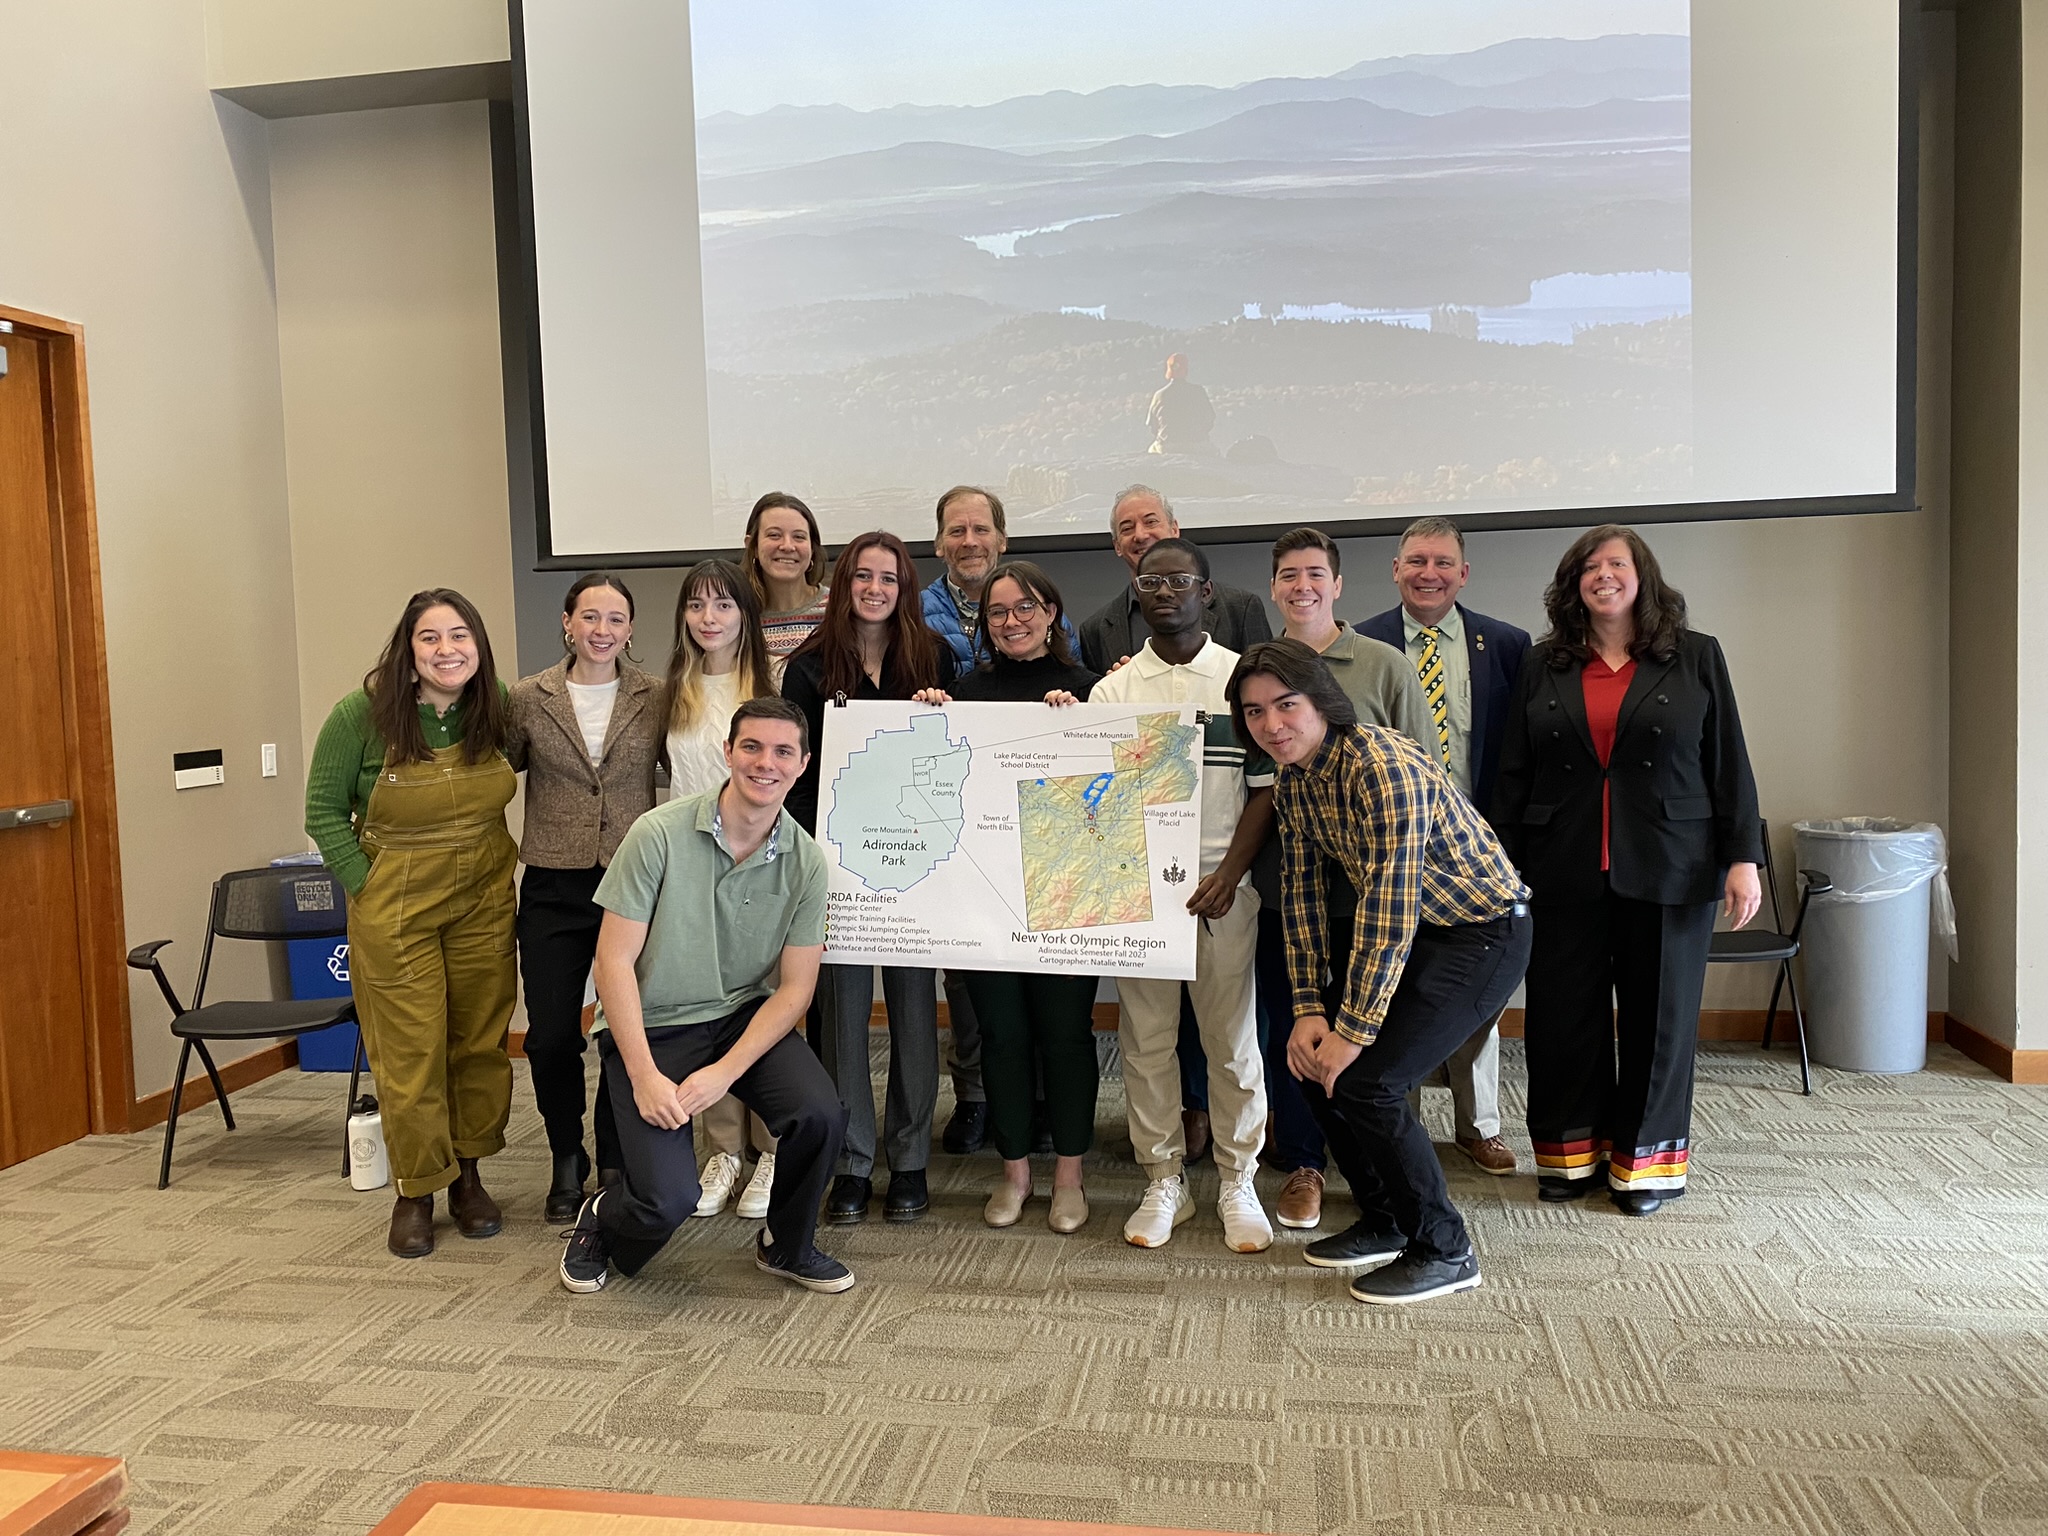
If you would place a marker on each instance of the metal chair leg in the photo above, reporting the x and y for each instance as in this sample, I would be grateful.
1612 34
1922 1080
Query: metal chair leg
1771 1014
163 1175
355 1079
1799 1018
220 1092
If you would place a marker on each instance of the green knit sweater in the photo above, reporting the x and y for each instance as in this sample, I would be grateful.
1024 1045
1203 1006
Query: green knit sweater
346 761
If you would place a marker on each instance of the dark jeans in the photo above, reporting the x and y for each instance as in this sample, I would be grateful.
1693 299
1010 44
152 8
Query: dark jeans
1455 981
557 929
1030 1021
658 1188
1297 1138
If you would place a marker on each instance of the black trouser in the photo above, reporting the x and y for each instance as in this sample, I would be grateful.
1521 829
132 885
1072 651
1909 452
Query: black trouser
1037 1021
557 928
1612 1027
1455 981
658 1188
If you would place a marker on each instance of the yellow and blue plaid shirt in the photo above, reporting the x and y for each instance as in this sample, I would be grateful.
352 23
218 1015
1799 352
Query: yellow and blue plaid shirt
1385 813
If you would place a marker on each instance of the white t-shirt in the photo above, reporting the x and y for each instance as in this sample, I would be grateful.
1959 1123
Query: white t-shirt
1229 774
696 757
593 703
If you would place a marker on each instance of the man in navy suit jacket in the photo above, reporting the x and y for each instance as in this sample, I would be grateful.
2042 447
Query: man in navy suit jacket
1481 658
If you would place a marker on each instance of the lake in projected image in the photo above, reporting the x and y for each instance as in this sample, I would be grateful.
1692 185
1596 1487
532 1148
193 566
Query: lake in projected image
1371 282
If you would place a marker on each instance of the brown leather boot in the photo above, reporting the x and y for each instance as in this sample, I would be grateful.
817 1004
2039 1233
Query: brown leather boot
412 1227
476 1213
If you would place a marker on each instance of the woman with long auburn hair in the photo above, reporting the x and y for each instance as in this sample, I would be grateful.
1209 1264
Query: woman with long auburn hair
872 644
405 799
719 662
1625 797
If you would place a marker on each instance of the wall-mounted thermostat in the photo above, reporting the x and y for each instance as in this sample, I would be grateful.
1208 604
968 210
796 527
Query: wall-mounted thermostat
191 770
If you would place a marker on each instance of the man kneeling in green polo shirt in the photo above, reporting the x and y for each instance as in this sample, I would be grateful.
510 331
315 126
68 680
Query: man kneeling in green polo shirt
714 925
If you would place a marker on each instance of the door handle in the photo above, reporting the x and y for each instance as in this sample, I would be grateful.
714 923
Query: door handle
34 815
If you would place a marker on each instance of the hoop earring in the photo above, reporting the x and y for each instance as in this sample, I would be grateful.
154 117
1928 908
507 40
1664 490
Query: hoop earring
568 645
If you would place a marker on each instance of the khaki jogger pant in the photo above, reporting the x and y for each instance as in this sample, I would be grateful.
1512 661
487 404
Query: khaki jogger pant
431 962
1226 1014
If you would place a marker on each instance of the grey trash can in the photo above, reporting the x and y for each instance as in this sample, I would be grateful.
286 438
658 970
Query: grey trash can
1865 942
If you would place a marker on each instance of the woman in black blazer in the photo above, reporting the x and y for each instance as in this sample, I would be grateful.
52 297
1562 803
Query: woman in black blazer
1626 799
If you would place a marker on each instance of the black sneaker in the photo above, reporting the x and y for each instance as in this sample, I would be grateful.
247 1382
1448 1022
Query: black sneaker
1357 1245
585 1265
848 1202
908 1197
967 1130
1414 1278
812 1270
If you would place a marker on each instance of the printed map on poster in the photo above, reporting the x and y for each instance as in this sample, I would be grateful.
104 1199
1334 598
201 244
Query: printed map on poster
1012 836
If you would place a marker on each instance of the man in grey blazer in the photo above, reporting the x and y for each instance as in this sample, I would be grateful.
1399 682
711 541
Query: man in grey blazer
1473 661
1139 518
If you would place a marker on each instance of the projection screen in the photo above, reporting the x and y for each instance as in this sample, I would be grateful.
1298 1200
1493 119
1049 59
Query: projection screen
1518 261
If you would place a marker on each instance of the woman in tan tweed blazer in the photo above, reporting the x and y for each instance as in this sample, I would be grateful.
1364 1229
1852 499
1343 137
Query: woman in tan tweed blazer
587 732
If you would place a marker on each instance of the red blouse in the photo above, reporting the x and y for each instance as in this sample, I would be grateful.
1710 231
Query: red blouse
1605 688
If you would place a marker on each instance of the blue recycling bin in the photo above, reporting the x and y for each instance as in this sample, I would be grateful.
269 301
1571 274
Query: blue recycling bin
319 968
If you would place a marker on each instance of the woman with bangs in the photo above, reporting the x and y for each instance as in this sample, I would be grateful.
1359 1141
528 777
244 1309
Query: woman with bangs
1035 1025
872 644
784 558
720 661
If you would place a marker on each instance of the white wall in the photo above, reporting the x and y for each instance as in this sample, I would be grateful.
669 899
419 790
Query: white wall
139 206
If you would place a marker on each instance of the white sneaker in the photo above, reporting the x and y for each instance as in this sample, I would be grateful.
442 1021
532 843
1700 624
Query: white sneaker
1166 1205
754 1201
720 1172
1245 1228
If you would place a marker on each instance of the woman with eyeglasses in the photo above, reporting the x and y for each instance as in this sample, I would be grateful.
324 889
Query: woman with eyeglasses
1032 1020
873 644
586 732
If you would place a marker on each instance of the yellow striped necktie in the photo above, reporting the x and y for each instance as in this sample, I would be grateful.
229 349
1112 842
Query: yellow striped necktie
1430 664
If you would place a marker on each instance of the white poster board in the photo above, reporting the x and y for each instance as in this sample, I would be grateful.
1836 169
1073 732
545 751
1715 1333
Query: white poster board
1012 837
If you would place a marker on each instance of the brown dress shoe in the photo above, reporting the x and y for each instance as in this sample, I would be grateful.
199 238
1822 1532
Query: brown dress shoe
1301 1199
1194 1125
1491 1154
476 1213
412 1227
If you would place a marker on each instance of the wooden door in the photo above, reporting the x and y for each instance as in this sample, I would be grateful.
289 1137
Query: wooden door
44 1091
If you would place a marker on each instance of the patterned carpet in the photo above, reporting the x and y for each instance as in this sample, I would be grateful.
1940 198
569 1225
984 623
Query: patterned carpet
1843 1329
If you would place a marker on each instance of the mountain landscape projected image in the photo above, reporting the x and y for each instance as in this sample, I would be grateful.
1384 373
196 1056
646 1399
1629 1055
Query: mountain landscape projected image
1455 280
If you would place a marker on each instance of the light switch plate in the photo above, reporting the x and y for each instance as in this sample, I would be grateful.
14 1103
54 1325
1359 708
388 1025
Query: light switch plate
270 759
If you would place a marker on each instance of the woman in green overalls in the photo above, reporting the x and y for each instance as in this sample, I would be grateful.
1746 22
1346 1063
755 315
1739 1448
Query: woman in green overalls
405 799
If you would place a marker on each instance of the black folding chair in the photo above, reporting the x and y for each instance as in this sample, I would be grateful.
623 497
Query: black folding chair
1773 946
291 901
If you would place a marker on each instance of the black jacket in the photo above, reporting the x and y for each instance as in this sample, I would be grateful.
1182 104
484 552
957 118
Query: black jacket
1233 618
803 684
1683 799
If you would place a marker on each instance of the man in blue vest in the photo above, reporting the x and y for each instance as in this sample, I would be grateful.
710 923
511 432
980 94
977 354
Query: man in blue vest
1467 664
970 539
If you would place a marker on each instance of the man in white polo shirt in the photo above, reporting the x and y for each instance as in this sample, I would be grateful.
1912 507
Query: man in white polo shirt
1181 664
